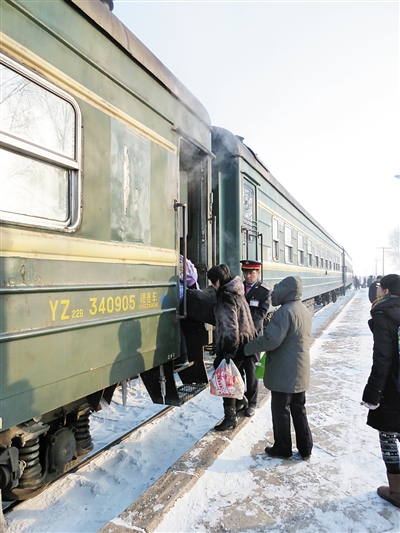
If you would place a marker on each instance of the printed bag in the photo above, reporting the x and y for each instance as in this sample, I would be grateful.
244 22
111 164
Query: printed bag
226 381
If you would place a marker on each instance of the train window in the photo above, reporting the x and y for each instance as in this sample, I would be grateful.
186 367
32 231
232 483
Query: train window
275 239
40 151
317 254
309 252
249 226
288 244
300 249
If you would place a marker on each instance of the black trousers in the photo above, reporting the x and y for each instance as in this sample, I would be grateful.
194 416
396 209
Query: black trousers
284 405
248 369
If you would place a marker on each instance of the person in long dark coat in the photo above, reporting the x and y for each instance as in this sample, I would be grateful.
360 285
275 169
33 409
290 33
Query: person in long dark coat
381 395
233 329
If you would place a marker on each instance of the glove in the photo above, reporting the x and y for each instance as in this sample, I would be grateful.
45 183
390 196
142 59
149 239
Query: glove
371 396
370 406
228 357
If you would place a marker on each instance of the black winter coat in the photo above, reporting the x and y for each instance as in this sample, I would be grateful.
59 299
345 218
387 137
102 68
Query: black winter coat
381 387
233 323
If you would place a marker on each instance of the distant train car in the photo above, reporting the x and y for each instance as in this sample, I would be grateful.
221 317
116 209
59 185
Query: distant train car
105 181
257 218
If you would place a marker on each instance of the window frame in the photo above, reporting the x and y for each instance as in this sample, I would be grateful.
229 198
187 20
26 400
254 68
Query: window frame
300 249
37 153
275 238
309 252
288 244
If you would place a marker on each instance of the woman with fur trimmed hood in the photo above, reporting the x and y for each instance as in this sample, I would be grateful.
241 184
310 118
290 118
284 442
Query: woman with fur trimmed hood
233 328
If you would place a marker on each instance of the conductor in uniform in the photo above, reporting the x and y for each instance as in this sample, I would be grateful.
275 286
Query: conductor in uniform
257 295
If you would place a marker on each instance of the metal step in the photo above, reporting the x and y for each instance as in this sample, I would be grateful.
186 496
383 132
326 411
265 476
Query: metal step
187 392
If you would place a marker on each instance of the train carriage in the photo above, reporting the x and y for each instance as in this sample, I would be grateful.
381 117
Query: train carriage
257 218
111 175
105 181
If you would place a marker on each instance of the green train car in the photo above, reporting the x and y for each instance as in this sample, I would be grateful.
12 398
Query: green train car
106 180
257 218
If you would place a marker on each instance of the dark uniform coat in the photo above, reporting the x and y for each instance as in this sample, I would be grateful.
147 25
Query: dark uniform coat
381 388
259 301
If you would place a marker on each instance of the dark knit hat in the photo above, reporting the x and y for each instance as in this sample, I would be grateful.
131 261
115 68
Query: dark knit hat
392 283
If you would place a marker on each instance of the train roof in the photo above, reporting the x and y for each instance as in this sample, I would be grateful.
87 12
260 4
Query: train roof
237 147
98 12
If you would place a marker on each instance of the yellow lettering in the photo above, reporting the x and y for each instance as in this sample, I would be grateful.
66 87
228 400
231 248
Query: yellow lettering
93 310
53 307
64 315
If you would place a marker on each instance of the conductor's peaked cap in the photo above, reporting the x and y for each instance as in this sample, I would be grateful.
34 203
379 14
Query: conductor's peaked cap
250 265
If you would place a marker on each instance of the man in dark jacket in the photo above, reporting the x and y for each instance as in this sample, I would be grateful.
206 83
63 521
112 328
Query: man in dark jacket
258 297
381 395
286 340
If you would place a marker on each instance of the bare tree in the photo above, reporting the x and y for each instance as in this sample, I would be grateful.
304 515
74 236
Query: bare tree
394 247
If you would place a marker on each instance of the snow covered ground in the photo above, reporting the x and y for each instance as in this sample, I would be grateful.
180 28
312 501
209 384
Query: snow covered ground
335 492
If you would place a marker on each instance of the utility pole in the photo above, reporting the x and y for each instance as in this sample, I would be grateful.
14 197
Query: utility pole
383 248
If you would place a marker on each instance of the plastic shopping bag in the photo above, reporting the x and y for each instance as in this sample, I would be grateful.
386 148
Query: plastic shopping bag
260 367
226 381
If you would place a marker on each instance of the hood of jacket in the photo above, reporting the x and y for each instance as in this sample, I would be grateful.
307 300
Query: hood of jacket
234 286
390 307
288 290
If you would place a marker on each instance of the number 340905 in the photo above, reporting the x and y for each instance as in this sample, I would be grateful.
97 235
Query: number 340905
112 304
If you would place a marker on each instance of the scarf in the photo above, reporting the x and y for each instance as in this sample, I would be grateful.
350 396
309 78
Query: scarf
382 298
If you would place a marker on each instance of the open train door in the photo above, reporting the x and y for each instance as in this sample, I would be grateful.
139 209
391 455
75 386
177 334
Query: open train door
195 244
193 230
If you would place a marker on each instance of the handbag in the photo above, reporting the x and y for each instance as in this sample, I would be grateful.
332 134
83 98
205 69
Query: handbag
226 381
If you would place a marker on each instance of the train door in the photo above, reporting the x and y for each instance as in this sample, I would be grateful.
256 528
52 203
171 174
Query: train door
194 217
251 238
193 242
194 231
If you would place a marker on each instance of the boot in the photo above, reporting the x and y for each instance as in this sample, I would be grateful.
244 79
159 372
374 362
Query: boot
392 492
230 420
242 404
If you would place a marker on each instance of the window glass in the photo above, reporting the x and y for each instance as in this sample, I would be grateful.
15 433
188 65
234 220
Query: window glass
288 245
248 203
300 249
33 188
275 239
309 251
36 115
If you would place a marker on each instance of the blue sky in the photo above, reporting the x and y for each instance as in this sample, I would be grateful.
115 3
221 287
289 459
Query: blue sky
313 87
